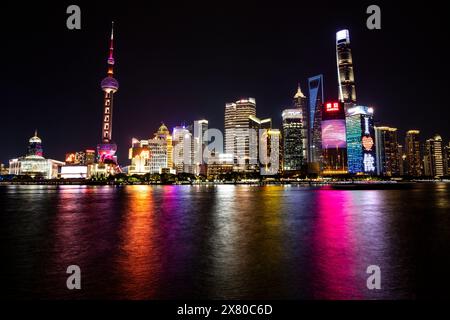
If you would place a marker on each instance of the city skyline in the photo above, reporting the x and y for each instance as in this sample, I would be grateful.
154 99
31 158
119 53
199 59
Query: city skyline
239 155
77 130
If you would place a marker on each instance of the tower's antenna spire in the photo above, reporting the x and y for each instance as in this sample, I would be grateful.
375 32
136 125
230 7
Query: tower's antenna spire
111 51
112 30
299 92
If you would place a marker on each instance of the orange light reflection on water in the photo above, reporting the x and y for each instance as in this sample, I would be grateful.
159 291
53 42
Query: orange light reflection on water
138 260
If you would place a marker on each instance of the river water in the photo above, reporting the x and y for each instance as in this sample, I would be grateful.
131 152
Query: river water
224 242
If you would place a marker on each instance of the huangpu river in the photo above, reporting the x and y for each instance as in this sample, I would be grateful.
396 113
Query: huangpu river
224 242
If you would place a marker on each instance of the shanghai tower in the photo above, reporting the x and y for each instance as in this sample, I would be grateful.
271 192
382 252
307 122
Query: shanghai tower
346 78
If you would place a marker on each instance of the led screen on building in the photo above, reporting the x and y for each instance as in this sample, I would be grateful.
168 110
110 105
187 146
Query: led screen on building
68 172
333 134
76 170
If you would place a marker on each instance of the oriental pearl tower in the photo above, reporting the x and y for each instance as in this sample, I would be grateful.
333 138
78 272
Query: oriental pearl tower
107 149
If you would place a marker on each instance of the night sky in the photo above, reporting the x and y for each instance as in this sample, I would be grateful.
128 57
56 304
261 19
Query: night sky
178 62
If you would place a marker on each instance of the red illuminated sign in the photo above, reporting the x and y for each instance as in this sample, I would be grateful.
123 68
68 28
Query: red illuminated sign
332 106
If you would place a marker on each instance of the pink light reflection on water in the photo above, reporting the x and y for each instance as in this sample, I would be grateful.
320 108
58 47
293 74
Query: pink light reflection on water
79 235
335 258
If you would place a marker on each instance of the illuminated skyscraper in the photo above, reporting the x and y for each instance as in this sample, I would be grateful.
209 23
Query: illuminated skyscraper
433 158
256 123
200 142
316 100
182 149
292 138
161 151
388 151
269 156
412 151
361 156
401 160
237 133
334 142
346 78
447 160
301 104
139 154
256 138
107 149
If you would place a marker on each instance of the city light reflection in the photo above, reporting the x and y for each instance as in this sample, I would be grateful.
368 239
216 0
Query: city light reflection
139 255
